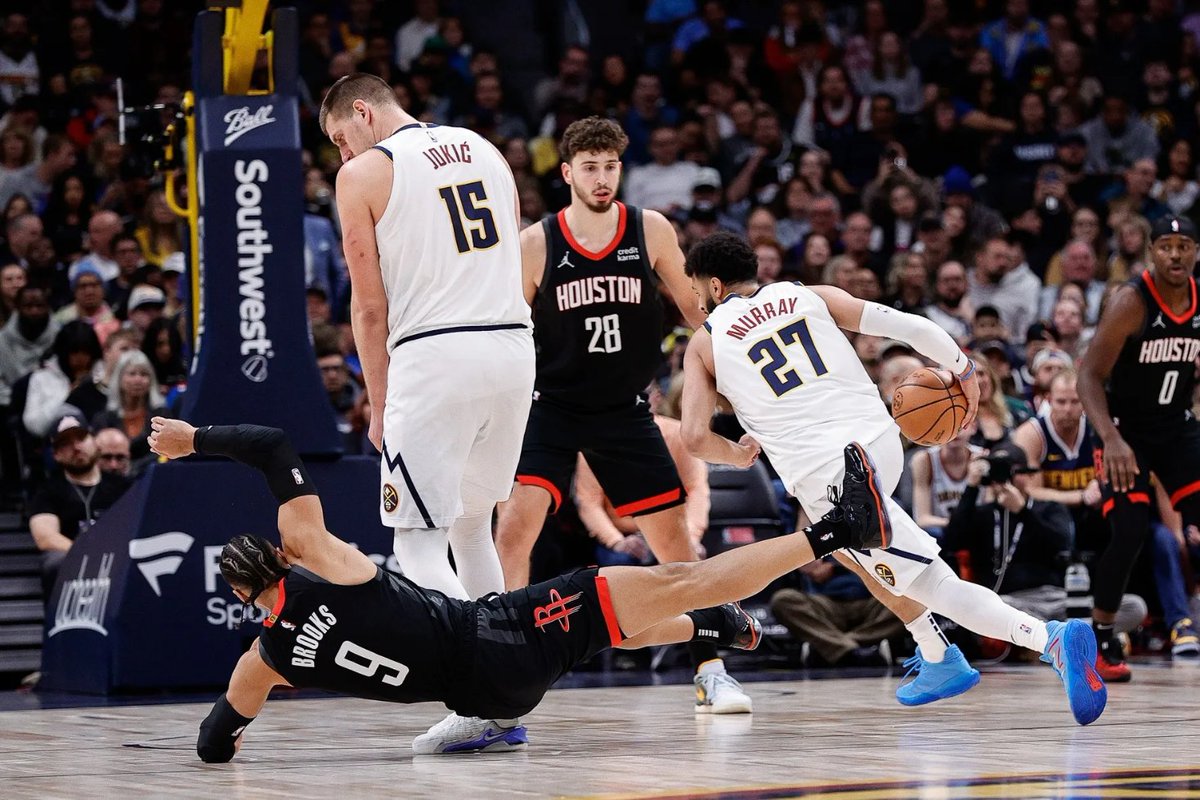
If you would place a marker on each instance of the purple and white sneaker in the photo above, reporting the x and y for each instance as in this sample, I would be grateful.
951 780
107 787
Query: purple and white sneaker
457 734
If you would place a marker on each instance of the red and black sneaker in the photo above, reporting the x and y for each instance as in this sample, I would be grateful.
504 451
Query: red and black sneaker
1110 661
862 501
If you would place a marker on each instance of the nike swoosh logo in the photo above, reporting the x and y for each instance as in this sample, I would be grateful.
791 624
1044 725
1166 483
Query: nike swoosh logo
491 736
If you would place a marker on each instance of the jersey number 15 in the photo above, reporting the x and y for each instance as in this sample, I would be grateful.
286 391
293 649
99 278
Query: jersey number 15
783 381
468 218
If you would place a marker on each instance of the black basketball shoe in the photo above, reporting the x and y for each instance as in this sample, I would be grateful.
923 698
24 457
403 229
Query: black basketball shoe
749 630
862 501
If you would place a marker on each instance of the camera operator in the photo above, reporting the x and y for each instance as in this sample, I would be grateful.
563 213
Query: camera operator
1017 544
1014 541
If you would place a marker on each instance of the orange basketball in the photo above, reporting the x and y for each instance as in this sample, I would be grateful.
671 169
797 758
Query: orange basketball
929 406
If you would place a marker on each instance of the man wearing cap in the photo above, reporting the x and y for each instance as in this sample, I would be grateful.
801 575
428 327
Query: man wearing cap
1136 382
87 286
665 184
146 304
982 221
73 498
1083 187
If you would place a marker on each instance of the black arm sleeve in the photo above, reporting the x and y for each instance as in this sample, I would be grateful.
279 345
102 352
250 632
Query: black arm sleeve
219 731
266 449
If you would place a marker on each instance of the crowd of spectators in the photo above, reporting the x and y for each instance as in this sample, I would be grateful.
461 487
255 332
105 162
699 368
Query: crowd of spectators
993 165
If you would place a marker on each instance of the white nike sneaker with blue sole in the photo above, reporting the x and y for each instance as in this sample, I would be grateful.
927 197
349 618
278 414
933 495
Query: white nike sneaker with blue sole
457 734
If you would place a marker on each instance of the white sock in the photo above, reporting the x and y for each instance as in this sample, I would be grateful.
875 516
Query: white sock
425 560
929 637
976 608
711 666
475 557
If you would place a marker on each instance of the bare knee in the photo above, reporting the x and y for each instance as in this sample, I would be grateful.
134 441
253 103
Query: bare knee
519 519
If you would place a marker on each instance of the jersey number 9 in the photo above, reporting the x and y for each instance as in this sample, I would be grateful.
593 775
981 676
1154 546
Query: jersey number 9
468 218
367 662
772 348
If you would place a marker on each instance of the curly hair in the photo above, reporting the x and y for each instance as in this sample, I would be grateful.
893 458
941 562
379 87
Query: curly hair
250 563
592 135
722 255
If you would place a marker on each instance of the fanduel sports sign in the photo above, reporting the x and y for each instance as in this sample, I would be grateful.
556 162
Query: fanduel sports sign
140 602
253 358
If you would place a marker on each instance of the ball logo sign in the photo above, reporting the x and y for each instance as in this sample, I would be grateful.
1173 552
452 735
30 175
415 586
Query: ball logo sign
240 121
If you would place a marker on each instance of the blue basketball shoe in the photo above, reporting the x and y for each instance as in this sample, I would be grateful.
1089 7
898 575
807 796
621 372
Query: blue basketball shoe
1071 650
947 678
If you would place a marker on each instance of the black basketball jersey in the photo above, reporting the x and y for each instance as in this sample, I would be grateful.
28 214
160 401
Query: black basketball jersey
597 319
1155 373
385 639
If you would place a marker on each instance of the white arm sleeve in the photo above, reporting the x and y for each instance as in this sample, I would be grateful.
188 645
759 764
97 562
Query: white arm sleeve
925 337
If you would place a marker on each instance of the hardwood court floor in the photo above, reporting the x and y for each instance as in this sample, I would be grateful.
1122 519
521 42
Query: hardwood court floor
1012 736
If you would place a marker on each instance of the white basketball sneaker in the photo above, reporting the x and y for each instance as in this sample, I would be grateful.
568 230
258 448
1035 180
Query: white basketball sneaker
457 734
718 693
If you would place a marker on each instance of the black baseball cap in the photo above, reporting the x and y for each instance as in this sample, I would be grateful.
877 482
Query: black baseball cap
1172 226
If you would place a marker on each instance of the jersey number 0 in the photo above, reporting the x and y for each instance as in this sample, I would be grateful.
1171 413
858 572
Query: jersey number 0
468 218
772 348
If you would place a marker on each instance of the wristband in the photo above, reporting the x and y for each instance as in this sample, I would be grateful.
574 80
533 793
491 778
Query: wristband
969 371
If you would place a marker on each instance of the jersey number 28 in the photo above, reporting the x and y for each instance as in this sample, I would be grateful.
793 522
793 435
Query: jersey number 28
467 217
783 381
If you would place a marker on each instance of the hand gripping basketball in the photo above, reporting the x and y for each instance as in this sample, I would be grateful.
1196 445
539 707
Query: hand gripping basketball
968 381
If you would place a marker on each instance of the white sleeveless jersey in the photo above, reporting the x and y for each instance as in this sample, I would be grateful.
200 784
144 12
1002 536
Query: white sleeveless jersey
945 491
793 378
449 245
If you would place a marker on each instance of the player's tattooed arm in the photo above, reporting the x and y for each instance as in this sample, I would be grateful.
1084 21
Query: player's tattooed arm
699 403
668 260
1124 316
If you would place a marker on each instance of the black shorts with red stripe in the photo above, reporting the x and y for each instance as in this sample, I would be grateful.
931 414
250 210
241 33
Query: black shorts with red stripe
527 639
1171 452
622 446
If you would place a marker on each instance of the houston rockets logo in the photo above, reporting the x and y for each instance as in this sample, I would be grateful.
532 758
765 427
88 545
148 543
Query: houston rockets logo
557 610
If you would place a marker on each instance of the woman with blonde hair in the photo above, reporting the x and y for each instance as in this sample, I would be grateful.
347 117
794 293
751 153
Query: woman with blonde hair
839 271
158 233
908 282
1132 252
1085 226
133 398
995 420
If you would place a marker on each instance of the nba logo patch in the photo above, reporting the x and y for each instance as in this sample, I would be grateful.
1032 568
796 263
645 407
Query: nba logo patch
390 498
885 574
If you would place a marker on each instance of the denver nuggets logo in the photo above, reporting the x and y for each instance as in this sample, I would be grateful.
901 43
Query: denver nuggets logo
390 498
885 574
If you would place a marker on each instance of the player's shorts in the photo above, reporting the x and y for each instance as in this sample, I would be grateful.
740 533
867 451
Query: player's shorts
912 549
529 638
452 426
1171 452
622 446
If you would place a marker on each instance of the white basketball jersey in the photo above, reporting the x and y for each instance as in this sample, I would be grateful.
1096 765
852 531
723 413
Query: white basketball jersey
793 378
945 491
449 245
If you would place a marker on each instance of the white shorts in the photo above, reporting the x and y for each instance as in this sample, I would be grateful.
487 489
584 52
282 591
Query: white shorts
912 548
457 404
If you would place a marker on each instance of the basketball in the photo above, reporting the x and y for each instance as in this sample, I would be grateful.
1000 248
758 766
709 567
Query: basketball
929 406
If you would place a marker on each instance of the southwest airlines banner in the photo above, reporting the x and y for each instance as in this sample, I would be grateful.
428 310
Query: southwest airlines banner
254 360
140 602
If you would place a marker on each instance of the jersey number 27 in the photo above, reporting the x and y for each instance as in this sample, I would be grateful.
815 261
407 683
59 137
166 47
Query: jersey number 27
783 381
468 218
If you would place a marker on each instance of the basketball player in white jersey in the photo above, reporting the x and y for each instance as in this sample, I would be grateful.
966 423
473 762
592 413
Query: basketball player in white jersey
778 354
430 226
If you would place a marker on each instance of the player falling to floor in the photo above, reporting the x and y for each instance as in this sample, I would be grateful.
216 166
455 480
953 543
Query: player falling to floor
336 621
1137 382
592 274
778 354
430 229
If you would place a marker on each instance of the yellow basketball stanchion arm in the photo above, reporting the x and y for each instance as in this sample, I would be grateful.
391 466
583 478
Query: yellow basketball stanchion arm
242 42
